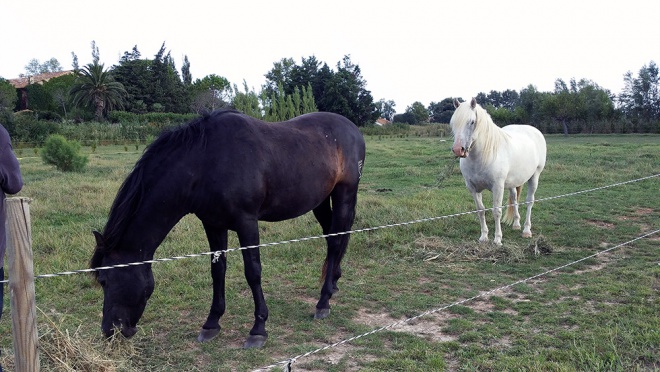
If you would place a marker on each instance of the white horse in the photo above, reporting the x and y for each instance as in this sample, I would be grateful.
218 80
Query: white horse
497 159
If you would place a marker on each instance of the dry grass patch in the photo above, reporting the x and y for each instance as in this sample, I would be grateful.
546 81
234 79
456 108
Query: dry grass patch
61 350
429 248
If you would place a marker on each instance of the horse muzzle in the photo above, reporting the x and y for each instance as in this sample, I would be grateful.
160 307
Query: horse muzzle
459 151
121 325
126 331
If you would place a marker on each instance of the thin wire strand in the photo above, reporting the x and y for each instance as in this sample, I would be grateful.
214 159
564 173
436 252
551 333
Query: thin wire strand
216 254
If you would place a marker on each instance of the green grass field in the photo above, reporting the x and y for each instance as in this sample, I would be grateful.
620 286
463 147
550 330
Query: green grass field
599 314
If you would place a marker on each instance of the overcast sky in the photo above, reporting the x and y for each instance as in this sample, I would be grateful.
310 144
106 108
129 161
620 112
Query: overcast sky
407 50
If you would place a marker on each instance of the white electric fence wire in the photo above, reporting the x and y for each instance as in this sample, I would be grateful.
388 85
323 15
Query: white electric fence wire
286 364
216 254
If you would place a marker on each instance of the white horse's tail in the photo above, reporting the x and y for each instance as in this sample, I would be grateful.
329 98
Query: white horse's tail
508 216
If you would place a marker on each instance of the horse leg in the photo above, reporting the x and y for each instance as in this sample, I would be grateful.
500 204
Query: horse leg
498 194
513 198
344 199
248 235
481 212
532 184
323 214
218 242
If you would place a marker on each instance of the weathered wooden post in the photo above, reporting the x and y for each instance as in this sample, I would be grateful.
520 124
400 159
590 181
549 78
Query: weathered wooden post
21 284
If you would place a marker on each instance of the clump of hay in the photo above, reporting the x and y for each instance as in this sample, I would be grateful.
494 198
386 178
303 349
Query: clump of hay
539 246
61 350
429 248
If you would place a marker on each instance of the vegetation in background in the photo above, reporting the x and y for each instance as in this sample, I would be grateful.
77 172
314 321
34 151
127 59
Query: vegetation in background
64 155
156 86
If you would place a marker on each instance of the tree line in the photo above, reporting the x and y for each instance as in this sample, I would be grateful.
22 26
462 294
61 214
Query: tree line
138 86
577 107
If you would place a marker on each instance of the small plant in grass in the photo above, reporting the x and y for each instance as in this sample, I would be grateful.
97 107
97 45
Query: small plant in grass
64 155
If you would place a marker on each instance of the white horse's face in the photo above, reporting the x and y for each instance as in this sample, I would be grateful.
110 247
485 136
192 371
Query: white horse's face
463 124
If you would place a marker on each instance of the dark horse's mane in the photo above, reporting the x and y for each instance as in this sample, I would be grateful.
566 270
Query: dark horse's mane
131 192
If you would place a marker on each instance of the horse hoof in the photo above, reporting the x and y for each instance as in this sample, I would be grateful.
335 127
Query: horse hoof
527 234
516 227
321 313
255 341
207 334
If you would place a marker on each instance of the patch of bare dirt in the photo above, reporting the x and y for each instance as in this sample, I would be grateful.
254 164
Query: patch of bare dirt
603 224
343 353
429 326
603 260
643 211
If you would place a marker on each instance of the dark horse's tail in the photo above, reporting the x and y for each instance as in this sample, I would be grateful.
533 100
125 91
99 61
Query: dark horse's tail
324 270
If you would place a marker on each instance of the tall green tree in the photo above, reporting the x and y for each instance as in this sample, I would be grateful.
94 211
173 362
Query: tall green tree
135 75
34 67
346 94
185 72
169 91
529 109
342 91
420 112
8 95
308 102
58 89
154 84
210 93
247 101
442 111
386 109
279 75
95 88
640 98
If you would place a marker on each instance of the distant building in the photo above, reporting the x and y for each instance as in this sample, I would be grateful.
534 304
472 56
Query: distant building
381 121
21 84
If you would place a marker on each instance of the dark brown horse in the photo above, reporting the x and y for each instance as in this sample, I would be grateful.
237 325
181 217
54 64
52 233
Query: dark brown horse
231 171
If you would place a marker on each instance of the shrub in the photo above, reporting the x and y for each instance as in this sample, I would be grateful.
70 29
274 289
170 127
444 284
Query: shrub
63 154
27 128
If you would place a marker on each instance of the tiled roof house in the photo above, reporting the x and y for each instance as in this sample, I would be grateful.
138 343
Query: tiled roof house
21 83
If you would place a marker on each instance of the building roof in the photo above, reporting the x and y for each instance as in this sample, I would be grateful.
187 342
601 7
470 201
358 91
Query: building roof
22 82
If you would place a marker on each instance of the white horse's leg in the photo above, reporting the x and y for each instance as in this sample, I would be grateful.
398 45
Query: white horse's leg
498 194
532 184
481 212
513 195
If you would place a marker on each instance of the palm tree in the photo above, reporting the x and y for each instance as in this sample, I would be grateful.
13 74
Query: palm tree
96 88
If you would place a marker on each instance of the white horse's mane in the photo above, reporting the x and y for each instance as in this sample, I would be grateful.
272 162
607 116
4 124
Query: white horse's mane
489 136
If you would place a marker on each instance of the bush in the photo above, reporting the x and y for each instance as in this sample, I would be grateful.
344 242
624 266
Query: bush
63 154
27 128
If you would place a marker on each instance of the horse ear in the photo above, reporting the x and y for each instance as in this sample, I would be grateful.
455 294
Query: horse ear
456 103
473 103
100 241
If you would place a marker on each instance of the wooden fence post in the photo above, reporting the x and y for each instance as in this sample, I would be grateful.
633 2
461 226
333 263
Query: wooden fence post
21 284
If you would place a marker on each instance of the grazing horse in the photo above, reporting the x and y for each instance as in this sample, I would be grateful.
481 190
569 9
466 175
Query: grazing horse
497 159
231 171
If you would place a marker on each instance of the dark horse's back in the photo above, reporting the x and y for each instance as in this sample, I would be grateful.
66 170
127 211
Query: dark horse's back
272 171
